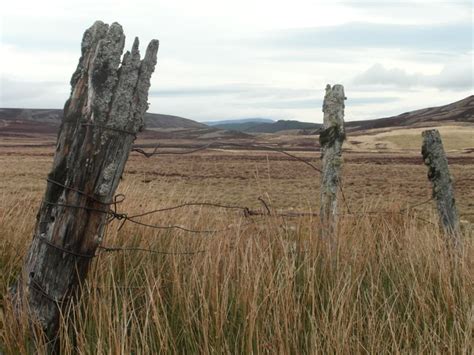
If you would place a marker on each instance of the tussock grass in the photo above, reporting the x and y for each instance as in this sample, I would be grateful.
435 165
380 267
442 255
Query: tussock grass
456 138
268 287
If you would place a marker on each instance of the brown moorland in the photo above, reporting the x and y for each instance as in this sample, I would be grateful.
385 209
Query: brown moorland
258 284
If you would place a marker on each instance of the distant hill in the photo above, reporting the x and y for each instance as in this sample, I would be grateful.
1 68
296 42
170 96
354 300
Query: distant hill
239 121
262 125
241 125
459 111
156 120
15 122
48 120
283 125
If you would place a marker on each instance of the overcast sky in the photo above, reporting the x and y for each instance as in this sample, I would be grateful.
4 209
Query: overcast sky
222 59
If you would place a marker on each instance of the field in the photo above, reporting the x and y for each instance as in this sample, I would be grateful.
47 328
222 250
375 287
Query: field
260 284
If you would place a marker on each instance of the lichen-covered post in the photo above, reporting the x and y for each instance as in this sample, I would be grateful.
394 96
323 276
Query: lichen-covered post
101 118
435 159
331 138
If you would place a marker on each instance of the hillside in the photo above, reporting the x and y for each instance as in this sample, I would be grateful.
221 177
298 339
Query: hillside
264 126
459 111
239 121
16 122
156 120
241 127
283 125
46 121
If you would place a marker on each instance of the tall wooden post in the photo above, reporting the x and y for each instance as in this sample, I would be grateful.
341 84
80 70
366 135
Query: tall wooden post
101 118
331 138
435 159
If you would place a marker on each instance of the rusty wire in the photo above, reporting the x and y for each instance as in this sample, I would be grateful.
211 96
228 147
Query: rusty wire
124 217
221 145
107 249
190 204
110 128
255 146
70 252
37 287
112 212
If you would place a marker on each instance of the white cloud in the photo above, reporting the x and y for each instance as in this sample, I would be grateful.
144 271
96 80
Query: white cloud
455 75
377 74
208 66
32 94
414 12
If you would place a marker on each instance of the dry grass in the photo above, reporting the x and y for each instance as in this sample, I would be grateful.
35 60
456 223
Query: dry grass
263 287
455 138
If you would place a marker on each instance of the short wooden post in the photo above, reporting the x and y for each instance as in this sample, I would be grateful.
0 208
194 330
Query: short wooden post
101 118
331 138
435 159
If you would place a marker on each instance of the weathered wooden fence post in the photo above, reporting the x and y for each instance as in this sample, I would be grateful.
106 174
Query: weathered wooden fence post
101 118
331 138
443 192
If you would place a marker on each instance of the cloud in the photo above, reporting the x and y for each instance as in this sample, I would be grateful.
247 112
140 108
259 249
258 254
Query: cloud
35 94
457 75
316 103
454 37
311 103
379 75
415 12
215 61
197 91
382 6
237 90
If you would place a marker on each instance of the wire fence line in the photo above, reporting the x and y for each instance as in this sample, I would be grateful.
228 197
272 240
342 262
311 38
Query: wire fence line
111 207
223 145
247 213
111 210
247 146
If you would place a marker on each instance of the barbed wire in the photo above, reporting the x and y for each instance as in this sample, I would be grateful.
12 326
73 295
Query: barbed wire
112 213
222 145
417 204
268 213
108 249
111 210
124 217
188 230
193 204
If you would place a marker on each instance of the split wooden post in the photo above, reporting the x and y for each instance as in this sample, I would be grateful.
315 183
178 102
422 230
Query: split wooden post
331 138
101 118
435 159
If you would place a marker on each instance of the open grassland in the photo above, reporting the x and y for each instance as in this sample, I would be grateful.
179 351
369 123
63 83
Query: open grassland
258 284
240 177
455 138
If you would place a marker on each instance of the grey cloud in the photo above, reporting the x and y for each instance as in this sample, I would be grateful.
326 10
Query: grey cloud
455 76
242 91
454 37
379 75
197 91
287 104
35 33
18 93
360 101
317 103
339 56
388 4
246 97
